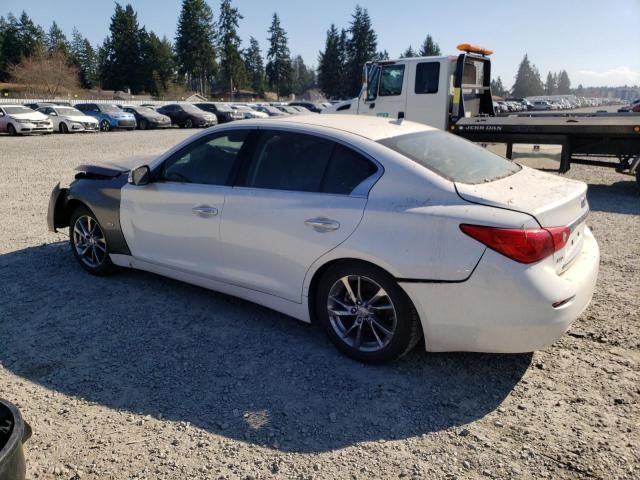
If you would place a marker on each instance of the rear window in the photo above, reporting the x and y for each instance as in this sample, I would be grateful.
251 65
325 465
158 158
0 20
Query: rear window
452 157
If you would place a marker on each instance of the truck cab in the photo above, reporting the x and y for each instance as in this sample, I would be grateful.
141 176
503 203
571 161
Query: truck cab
436 91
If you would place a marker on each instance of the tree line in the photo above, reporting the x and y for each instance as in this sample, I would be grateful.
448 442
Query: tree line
207 56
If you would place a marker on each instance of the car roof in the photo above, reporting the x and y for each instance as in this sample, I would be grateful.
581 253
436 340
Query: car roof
373 128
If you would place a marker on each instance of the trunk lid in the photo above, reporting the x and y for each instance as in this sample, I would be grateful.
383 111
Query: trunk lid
552 200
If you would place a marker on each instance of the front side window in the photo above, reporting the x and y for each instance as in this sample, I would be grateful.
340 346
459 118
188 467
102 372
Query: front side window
451 157
372 82
427 77
391 80
209 161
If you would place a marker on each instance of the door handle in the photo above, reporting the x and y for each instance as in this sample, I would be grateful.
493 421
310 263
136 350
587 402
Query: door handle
205 211
322 224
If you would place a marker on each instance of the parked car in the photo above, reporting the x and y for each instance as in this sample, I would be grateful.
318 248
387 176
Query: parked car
287 109
69 119
634 106
301 109
312 107
541 105
223 111
37 105
381 231
18 120
109 116
186 115
249 112
147 117
269 110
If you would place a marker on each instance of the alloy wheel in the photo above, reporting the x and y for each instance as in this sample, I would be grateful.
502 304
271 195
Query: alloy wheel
89 241
361 313
105 126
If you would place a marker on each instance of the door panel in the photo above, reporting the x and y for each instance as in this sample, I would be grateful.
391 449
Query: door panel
270 238
167 223
391 96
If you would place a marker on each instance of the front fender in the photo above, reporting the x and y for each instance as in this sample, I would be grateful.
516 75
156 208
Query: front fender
56 212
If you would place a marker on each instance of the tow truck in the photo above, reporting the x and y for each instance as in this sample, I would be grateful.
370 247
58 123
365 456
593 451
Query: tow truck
453 92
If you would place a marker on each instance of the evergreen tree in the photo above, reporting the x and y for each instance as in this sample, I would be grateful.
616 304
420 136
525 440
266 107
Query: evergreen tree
330 65
278 68
408 53
194 45
157 62
361 48
31 37
124 54
56 40
550 86
497 88
21 38
344 63
83 56
303 78
254 66
380 56
564 83
232 72
527 82
429 48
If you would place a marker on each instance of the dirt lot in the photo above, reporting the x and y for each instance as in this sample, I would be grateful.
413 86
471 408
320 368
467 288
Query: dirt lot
136 376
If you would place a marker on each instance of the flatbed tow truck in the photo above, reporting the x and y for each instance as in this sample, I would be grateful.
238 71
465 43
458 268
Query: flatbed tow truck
454 93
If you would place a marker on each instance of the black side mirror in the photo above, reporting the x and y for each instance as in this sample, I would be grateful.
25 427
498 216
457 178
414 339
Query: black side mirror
140 175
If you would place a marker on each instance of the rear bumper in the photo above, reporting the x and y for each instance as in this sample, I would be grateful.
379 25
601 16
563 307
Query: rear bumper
506 307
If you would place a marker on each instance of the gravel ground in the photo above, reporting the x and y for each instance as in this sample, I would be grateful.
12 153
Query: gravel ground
136 376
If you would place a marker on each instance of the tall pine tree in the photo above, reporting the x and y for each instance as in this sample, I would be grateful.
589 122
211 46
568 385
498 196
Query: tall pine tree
361 48
57 41
278 68
83 56
330 65
194 45
564 83
409 53
550 85
528 80
232 72
254 66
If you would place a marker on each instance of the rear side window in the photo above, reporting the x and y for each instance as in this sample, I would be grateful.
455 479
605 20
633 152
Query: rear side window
427 77
305 163
452 157
346 171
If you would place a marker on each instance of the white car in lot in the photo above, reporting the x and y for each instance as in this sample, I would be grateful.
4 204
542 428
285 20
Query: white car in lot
382 231
19 120
69 119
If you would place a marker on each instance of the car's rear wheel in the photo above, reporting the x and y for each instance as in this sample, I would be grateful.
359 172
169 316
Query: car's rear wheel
188 123
105 126
12 130
365 313
88 242
63 128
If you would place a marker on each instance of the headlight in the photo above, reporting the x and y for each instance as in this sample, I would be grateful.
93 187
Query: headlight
23 121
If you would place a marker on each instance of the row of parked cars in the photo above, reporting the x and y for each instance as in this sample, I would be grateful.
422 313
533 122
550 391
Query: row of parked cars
62 117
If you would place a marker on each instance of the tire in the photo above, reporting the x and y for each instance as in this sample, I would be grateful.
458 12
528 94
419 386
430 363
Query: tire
96 260
63 128
12 130
143 125
105 126
389 329
188 123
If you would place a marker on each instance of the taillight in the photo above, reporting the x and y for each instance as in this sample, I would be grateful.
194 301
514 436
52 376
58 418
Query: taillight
519 244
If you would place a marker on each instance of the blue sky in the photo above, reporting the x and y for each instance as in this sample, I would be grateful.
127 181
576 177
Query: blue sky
597 42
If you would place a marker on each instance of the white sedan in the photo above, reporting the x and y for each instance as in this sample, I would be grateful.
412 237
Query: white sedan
386 233
69 119
20 120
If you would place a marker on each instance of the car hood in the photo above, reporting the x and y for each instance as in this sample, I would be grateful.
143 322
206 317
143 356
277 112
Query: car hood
80 118
29 116
114 169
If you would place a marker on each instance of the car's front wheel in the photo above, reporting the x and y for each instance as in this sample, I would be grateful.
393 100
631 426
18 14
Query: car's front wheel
63 128
105 126
188 123
12 130
88 242
365 313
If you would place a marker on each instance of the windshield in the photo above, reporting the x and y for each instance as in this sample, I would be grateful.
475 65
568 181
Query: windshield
223 107
143 109
190 108
16 110
270 109
452 157
110 109
68 111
